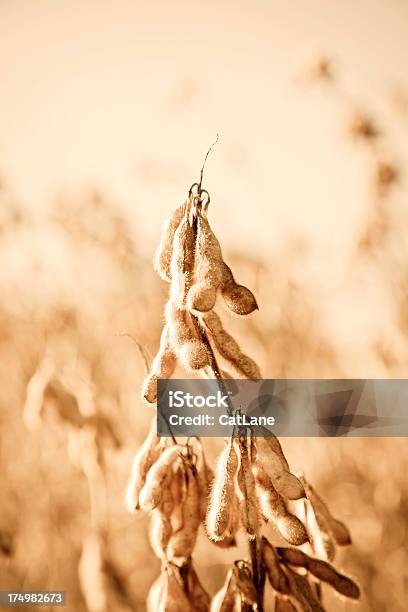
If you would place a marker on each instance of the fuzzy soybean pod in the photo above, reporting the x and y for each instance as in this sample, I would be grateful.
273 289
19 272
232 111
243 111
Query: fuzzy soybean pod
162 260
152 491
142 462
163 366
222 494
190 350
274 509
275 573
275 447
239 299
229 348
182 262
250 511
205 477
284 482
226 600
336 528
182 542
209 269
321 570
228 540
197 594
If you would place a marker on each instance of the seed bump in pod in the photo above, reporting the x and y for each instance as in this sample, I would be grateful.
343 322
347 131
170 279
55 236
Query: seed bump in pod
163 366
284 482
152 491
191 351
239 299
228 347
274 509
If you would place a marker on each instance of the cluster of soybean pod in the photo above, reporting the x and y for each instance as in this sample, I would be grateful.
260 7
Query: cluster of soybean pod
252 484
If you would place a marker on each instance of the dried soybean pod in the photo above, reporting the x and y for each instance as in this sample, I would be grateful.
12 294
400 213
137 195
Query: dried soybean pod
342 584
162 260
274 509
205 477
163 366
283 605
222 494
203 294
251 515
228 347
239 299
336 528
284 482
226 599
141 464
302 592
228 539
321 570
152 491
275 573
182 542
192 352
197 594
275 446
182 262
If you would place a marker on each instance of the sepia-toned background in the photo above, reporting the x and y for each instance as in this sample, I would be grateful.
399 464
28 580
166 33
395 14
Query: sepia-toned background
107 110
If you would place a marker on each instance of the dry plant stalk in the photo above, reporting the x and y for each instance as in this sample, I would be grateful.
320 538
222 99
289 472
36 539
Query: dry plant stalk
252 484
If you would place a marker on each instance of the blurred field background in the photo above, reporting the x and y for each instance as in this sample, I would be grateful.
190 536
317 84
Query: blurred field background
107 110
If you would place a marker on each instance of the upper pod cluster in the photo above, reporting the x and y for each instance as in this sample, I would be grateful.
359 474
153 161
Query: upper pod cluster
189 257
211 275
